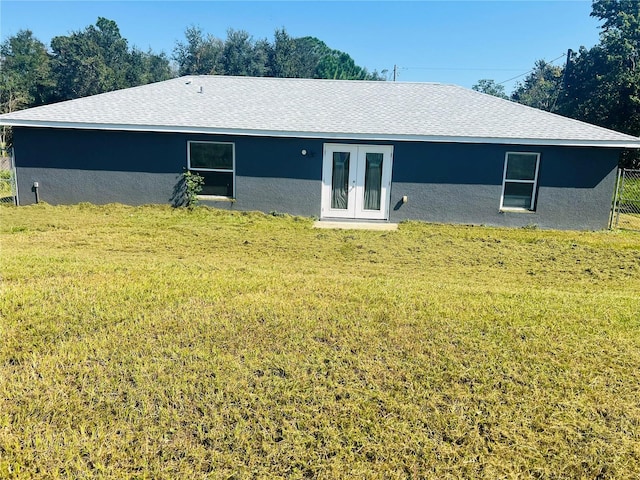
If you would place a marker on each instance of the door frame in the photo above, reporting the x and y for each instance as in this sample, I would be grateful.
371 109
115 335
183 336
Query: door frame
356 181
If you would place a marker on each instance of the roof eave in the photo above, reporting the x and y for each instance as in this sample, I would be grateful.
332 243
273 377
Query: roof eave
633 144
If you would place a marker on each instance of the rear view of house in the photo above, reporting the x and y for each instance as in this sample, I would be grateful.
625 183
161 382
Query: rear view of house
375 151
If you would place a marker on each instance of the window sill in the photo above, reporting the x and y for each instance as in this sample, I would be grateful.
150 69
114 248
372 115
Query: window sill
515 210
216 198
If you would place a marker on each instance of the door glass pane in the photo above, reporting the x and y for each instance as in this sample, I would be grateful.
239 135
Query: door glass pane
521 166
373 181
340 180
517 195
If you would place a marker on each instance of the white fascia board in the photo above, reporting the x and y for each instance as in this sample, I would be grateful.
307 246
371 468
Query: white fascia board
326 135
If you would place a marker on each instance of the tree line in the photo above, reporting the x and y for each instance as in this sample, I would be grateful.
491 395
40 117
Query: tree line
98 59
600 85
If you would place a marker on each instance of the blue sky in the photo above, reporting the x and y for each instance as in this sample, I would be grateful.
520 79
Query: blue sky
456 42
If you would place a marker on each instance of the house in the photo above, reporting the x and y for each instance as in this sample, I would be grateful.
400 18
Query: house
375 151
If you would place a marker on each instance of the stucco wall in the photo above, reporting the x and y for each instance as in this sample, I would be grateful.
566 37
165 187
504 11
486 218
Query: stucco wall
460 183
451 183
100 167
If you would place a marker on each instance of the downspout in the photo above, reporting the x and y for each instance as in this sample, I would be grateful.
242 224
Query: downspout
36 185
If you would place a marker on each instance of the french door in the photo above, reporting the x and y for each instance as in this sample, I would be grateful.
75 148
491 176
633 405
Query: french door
356 181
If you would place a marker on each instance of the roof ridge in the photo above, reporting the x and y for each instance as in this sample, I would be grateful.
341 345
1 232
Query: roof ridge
324 80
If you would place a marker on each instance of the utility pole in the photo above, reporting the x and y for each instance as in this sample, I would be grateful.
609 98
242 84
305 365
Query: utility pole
566 68
562 88
395 72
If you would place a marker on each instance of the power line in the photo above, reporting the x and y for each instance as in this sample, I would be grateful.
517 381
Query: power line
526 73
396 68
462 69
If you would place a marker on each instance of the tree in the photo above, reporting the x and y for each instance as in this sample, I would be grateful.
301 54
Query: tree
541 87
339 65
309 57
25 70
603 83
490 87
238 55
148 67
293 57
89 62
310 51
98 60
242 56
600 85
198 55
24 76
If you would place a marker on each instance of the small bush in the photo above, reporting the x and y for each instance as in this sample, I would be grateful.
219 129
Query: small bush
193 186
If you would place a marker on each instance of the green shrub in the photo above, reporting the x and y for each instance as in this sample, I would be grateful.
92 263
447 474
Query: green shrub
193 186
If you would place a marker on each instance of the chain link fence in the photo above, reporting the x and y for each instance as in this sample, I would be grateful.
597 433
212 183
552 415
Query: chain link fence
8 188
626 203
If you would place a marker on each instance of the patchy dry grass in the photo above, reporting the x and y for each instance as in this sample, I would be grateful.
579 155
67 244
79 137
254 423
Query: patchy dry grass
629 221
160 343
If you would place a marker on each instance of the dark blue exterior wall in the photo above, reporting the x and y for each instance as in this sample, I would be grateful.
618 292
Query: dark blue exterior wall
451 183
462 183
73 166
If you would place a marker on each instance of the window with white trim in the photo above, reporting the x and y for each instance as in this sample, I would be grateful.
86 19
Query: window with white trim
215 162
520 181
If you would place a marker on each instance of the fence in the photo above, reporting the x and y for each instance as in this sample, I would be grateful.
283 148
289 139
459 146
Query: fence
8 187
626 203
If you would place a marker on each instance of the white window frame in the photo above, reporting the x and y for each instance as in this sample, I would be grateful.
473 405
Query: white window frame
222 170
533 182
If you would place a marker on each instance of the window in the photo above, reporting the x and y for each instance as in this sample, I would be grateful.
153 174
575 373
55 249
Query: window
214 162
520 181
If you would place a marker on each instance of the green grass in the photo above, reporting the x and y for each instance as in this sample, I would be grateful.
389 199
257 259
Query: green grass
5 186
154 342
631 185
629 204
629 221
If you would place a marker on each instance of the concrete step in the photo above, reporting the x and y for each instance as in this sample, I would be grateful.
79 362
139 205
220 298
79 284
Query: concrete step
355 225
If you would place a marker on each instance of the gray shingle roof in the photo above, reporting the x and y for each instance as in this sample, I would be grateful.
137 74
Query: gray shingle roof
332 109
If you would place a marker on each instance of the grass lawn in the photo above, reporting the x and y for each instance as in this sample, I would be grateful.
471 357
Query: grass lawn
6 192
629 202
629 221
154 342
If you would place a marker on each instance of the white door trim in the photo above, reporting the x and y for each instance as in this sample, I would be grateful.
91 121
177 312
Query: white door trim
356 183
